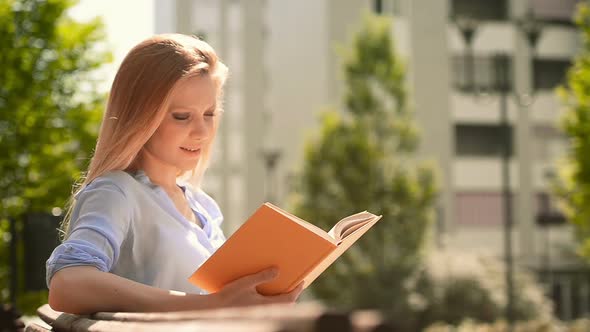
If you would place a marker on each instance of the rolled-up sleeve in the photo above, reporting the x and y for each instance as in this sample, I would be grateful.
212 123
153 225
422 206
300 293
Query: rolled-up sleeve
99 225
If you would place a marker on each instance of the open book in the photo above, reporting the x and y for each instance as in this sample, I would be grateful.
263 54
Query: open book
273 237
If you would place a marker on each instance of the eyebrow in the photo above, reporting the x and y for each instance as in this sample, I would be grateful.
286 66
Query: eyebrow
212 107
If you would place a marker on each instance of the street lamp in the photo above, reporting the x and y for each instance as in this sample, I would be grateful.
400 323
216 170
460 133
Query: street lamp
468 27
502 86
531 27
270 156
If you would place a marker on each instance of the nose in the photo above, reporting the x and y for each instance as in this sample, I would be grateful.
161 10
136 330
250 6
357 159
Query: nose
200 130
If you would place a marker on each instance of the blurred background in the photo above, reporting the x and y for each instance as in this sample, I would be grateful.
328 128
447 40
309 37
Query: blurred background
466 123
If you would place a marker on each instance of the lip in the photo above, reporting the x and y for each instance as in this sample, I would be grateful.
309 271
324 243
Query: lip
184 147
192 153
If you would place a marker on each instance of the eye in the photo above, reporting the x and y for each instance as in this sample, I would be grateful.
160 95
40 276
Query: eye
181 116
210 114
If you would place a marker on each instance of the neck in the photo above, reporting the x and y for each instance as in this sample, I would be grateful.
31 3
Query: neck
159 174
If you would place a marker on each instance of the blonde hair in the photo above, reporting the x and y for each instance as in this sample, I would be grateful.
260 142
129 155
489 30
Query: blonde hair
138 100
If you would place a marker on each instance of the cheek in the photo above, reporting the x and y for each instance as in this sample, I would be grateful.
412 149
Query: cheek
169 135
165 141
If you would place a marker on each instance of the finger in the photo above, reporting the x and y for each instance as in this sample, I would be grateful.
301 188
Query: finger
264 276
255 279
286 297
281 298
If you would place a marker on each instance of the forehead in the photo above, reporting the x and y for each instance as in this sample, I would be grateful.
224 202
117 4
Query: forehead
196 91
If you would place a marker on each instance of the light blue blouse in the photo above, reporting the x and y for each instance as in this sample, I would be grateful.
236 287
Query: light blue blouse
124 224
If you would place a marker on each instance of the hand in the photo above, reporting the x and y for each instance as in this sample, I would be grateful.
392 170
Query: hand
242 292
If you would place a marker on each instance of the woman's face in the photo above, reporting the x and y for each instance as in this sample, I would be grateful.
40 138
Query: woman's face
188 126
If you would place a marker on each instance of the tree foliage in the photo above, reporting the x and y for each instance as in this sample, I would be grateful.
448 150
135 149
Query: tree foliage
49 107
362 160
574 170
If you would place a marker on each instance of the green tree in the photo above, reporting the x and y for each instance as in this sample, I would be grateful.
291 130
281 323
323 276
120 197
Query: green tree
573 186
362 160
49 110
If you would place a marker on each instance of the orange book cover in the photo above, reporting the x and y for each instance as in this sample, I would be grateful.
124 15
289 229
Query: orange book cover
273 237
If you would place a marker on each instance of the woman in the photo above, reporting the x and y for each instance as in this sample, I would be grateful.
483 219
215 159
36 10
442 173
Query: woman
139 225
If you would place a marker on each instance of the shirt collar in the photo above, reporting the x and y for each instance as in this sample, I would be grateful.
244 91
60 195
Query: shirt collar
142 177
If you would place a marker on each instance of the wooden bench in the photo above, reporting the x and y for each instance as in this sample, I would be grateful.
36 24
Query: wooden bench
303 317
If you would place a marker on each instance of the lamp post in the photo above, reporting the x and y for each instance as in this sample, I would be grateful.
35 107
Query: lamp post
503 87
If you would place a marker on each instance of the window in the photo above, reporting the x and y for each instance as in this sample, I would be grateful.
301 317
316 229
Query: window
480 75
481 140
480 9
378 6
486 208
549 73
480 208
391 7
554 11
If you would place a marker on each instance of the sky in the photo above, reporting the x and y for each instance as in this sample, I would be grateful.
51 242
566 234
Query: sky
126 23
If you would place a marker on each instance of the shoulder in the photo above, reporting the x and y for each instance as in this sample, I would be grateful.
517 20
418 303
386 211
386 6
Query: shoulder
114 181
121 179
106 202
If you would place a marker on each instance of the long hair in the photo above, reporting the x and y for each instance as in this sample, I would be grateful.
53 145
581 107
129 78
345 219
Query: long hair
138 100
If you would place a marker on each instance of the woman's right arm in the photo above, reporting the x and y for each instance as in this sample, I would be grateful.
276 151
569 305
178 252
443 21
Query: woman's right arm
85 290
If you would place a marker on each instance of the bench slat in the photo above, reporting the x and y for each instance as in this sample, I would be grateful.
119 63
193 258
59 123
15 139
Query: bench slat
89 325
304 317
275 311
32 327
